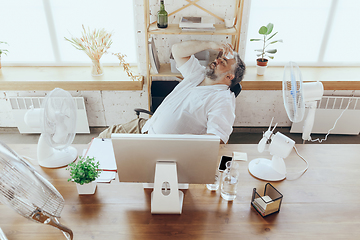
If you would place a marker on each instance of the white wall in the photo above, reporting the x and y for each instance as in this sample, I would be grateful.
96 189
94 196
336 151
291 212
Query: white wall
104 108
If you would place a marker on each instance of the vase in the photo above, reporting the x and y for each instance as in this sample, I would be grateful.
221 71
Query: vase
87 188
96 69
261 65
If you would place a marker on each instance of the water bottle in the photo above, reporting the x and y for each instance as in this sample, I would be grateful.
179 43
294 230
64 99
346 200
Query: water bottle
229 181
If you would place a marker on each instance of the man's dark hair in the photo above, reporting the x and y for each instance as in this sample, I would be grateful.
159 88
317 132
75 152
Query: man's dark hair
239 70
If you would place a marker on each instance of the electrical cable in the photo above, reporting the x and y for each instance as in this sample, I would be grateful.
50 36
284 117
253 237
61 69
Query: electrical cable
302 171
324 139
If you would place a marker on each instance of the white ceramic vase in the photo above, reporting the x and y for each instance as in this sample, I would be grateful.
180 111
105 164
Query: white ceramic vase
260 70
88 188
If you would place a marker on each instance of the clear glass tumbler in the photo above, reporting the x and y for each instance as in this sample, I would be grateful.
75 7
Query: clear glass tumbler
215 186
229 181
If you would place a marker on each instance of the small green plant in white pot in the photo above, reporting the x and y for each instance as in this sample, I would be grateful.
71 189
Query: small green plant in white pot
84 173
265 53
3 51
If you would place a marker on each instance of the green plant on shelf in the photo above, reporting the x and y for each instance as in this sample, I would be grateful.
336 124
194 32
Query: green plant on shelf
265 31
2 50
84 170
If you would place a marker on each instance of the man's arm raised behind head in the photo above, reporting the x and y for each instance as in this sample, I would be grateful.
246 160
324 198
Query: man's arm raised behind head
182 51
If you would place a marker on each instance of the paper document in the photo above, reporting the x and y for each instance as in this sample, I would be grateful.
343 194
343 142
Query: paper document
240 156
106 176
103 152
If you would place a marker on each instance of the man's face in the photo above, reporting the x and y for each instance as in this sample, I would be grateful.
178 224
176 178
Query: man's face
218 67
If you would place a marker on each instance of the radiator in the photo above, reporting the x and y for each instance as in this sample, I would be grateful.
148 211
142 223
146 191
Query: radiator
20 106
328 110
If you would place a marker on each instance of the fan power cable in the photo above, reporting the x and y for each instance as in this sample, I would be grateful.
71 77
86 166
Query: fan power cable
328 133
299 173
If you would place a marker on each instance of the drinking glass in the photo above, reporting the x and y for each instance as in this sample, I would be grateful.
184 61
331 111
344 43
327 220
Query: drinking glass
215 186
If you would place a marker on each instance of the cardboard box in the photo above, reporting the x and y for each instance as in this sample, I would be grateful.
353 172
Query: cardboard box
202 56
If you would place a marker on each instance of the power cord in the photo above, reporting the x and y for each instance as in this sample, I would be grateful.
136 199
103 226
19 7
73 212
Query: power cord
324 139
302 171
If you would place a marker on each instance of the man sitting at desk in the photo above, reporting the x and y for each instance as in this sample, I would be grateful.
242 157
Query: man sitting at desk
202 102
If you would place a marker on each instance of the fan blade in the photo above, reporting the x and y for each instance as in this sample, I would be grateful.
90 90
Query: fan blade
264 140
271 124
262 144
2 235
293 92
61 133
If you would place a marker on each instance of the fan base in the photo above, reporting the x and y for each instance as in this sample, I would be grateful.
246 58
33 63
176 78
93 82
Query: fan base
263 168
59 158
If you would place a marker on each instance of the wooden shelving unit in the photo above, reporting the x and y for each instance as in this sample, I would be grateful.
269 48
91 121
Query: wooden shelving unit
173 29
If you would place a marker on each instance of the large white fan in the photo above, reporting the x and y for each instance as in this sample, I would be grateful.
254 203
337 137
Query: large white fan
57 119
298 95
24 190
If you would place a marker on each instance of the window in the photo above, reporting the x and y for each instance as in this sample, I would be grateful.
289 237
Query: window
315 33
35 30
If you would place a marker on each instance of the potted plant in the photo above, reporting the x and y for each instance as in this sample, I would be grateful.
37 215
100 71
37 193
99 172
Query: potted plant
84 172
5 51
263 53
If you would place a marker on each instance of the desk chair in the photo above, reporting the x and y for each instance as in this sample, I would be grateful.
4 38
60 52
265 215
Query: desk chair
235 89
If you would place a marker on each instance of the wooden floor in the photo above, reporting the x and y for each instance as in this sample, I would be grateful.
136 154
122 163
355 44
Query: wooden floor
321 204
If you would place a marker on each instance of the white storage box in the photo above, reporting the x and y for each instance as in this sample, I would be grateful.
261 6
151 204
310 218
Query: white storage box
202 56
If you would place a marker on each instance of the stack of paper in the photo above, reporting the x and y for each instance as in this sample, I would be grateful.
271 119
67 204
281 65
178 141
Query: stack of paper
103 152
197 24
266 206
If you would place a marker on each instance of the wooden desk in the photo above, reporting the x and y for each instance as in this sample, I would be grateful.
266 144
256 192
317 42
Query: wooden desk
322 204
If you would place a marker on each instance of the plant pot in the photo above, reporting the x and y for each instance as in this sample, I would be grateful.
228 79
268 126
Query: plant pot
261 65
88 188
260 70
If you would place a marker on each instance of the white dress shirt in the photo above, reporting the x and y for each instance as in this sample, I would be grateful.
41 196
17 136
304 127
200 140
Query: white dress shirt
193 109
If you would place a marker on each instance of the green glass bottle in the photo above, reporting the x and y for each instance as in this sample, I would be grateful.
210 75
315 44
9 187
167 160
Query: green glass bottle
162 16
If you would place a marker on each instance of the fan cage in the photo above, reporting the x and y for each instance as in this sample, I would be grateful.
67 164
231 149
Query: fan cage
293 93
24 190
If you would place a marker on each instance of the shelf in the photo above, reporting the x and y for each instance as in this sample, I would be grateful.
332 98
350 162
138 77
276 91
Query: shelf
67 78
333 78
174 29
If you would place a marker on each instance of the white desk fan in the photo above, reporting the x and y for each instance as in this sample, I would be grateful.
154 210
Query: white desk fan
280 147
298 95
57 119
24 190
